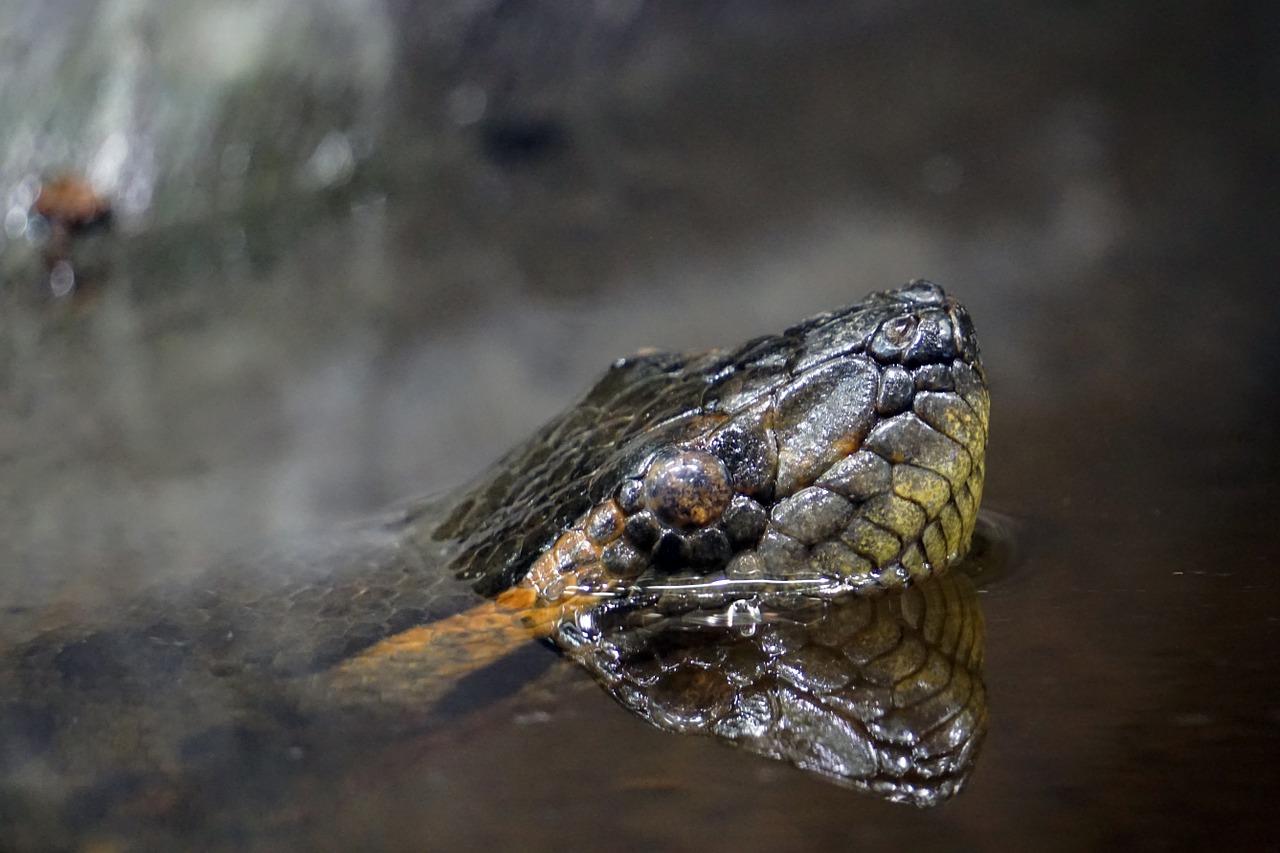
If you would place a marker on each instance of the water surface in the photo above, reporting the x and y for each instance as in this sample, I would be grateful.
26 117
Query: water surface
1090 182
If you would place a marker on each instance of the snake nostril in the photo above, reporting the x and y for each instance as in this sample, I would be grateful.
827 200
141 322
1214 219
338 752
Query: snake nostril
893 338
899 330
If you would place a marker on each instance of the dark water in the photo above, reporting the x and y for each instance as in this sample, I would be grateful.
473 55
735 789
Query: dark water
1096 184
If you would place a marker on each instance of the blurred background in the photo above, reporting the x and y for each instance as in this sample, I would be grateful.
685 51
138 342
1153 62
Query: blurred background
355 249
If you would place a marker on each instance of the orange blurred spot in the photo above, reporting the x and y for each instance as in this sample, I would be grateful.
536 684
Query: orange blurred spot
70 201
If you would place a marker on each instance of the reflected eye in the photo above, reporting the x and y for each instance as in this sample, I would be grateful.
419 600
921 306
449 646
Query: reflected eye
688 488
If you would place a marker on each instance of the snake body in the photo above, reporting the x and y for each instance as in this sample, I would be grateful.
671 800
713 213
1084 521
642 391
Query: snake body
691 509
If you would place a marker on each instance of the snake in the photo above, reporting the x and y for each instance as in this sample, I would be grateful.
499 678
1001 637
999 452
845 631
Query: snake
753 543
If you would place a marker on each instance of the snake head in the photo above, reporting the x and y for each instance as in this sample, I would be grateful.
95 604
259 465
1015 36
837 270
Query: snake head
844 454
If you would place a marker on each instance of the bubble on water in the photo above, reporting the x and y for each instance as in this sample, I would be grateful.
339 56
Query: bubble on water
62 279
578 630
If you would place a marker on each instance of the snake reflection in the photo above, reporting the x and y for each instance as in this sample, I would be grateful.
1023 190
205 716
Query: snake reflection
749 543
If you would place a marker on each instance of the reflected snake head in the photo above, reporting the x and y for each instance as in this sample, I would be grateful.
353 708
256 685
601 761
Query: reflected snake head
883 694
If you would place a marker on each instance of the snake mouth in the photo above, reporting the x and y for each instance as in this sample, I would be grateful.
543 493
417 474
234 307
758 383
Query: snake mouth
845 455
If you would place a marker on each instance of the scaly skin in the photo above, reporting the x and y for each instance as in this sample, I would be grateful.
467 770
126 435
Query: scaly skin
799 481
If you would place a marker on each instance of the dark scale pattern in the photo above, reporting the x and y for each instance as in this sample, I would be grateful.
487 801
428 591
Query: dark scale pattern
840 402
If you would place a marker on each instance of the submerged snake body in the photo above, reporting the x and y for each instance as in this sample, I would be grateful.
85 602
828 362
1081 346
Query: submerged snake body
799 476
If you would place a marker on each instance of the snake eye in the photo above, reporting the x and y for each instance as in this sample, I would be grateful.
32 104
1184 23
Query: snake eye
687 488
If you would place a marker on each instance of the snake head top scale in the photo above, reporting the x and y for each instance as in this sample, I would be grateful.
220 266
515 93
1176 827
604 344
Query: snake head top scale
844 455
